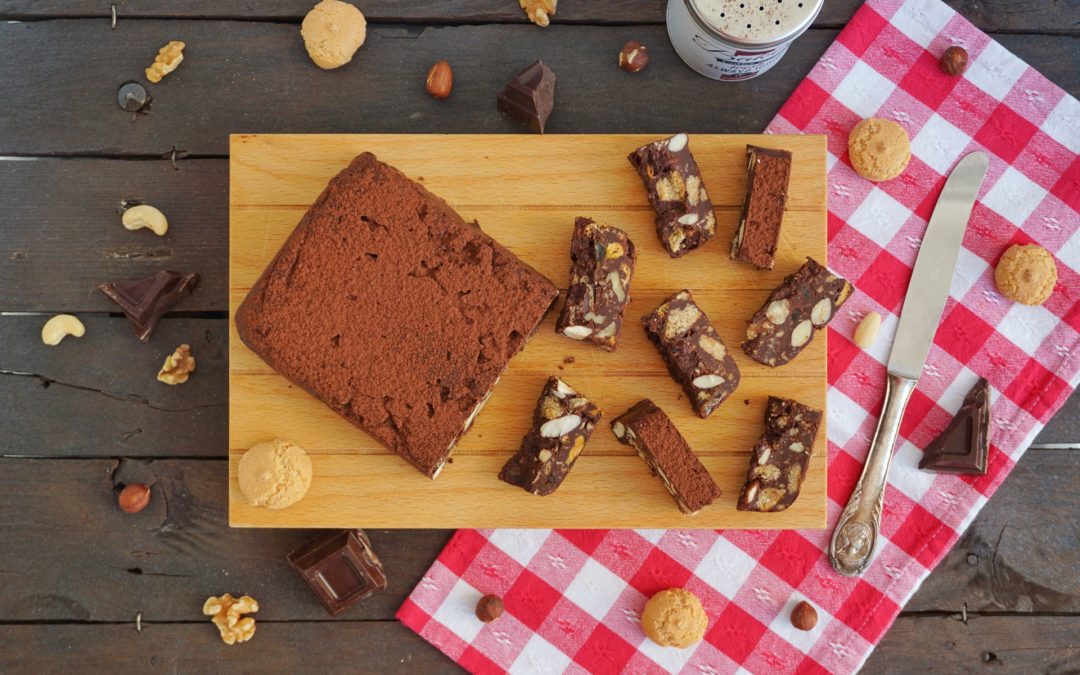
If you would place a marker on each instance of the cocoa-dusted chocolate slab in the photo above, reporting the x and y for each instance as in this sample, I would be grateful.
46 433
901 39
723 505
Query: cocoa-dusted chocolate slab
768 172
693 351
392 310
803 303
649 430
562 423
965 444
529 97
144 301
779 461
684 213
602 262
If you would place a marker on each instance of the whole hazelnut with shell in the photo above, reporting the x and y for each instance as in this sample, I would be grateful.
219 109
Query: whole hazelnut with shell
633 57
954 60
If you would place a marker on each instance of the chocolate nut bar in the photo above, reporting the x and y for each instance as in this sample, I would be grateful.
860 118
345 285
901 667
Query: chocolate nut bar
684 214
562 423
601 264
804 302
767 174
693 351
779 460
652 434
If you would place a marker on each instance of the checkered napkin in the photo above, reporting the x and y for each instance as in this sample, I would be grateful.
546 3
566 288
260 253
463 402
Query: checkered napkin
573 597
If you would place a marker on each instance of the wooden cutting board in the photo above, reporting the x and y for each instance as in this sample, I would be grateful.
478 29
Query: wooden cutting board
526 191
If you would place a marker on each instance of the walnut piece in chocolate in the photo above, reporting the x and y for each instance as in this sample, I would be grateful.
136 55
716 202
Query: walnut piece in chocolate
779 460
803 303
562 423
684 213
601 264
693 351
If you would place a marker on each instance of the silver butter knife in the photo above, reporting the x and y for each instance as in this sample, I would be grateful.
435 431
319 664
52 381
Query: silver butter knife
855 537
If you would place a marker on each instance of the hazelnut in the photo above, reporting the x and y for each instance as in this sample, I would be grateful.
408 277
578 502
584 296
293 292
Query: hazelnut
134 498
804 616
633 57
489 608
440 80
954 61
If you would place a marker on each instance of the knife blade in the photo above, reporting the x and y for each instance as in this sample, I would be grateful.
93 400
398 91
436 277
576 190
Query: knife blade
933 272
855 537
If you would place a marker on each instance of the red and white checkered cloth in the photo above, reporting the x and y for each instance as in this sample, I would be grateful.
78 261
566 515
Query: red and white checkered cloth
573 596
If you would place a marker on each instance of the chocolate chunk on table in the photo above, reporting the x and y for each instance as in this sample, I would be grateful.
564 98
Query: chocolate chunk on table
779 460
340 569
601 264
767 174
684 214
530 97
146 300
964 445
562 423
804 302
648 430
693 351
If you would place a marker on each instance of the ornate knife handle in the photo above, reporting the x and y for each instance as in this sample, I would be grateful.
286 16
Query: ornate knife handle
856 533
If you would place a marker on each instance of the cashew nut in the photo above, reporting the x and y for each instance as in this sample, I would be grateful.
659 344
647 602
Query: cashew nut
146 216
59 327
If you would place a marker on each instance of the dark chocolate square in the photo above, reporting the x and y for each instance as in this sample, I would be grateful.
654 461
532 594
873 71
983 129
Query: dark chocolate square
340 568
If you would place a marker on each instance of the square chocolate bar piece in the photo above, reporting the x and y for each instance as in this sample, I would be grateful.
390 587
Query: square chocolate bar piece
340 569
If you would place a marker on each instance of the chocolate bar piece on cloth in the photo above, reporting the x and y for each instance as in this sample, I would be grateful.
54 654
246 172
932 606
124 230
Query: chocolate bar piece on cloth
964 445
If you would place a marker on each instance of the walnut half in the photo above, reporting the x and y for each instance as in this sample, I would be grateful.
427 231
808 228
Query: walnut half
177 366
226 611
538 10
166 61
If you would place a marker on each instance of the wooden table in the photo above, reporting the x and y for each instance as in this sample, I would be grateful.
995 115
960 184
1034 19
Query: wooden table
78 579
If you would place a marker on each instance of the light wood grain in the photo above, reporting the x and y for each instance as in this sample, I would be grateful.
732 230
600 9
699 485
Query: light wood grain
525 191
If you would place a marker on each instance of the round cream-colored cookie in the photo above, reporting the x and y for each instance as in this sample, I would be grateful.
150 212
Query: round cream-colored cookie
1026 274
879 149
332 32
674 618
275 474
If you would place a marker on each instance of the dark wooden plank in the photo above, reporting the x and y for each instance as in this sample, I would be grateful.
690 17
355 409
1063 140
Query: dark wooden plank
256 77
378 647
1031 16
99 396
70 555
1021 553
1005 644
60 231
1064 427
